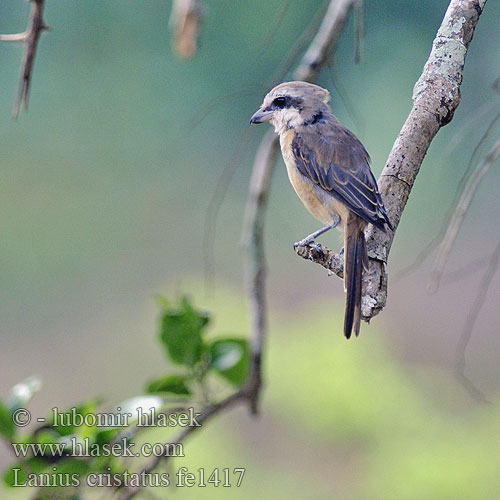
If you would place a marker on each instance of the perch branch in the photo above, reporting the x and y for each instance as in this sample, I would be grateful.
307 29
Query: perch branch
436 96
30 37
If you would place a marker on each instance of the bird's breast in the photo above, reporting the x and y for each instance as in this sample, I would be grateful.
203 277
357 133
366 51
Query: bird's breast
319 202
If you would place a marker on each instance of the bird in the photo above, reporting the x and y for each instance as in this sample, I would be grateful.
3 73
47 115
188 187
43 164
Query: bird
329 169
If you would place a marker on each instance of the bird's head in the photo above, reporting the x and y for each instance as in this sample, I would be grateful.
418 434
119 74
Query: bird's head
292 104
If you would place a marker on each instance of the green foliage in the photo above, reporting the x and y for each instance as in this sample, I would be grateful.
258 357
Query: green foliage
175 384
183 331
33 465
183 334
7 428
72 424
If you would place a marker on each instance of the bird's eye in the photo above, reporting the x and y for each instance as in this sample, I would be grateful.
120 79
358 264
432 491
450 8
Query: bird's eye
279 102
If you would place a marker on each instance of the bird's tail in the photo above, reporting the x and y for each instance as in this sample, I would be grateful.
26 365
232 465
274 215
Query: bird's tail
355 259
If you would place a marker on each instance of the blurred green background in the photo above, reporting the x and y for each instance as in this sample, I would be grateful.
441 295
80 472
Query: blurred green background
105 186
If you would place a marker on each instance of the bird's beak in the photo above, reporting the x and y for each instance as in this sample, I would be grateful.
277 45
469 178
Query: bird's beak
261 116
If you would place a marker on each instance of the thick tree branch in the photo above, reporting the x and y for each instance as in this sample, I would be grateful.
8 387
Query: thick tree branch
30 37
436 96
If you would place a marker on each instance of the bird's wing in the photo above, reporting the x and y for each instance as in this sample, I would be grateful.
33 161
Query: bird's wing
333 158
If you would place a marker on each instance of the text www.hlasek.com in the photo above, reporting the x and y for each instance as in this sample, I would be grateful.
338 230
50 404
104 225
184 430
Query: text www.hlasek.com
83 448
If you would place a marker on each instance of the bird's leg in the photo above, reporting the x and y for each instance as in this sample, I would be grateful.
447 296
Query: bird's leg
310 239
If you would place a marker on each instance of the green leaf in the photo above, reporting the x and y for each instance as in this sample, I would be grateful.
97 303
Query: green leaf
106 435
7 427
46 436
230 358
76 466
175 384
109 465
181 332
12 476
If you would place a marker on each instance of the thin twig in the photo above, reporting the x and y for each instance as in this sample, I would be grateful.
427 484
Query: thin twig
359 31
457 218
253 242
30 37
469 327
207 413
18 37
436 96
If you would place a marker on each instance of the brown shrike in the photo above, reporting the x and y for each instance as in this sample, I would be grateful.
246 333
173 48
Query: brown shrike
330 171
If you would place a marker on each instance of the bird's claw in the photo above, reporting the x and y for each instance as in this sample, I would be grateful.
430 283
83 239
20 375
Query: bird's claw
316 246
307 242
302 243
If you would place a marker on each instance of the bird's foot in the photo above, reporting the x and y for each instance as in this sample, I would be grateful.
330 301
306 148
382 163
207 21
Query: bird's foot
307 242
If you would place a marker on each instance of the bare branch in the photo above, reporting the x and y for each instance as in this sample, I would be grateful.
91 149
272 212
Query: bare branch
359 31
185 21
457 218
253 235
435 98
18 37
208 412
30 37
